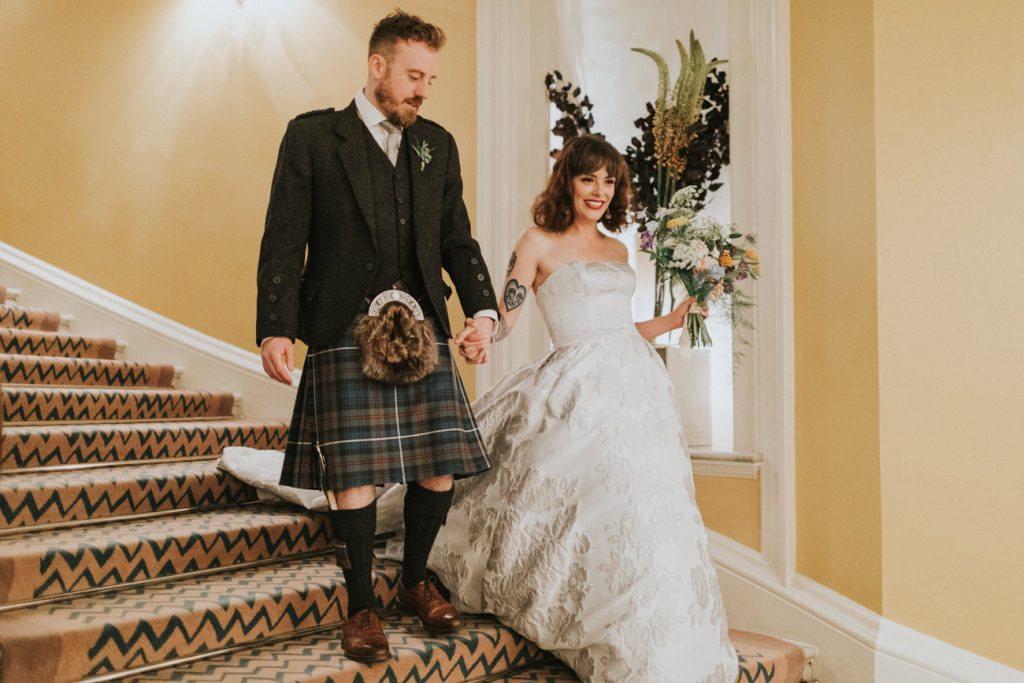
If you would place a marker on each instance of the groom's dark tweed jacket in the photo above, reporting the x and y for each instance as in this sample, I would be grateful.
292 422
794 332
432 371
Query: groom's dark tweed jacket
321 254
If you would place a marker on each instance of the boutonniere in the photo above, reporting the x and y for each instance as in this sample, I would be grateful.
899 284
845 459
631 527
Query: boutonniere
423 151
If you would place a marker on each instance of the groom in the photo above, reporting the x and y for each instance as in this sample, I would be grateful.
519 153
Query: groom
363 200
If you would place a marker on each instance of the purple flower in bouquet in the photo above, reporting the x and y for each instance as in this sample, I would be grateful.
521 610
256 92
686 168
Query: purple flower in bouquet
646 240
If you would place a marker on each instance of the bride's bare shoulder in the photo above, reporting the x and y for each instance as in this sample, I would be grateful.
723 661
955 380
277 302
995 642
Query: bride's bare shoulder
535 239
619 251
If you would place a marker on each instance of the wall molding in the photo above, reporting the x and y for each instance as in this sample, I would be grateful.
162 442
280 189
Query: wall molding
907 655
761 173
208 363
514 52
735 469
853 643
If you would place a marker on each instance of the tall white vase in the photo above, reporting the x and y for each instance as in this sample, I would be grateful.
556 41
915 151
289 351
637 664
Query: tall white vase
690 371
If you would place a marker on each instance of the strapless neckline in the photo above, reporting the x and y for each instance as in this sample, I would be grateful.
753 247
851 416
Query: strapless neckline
580 262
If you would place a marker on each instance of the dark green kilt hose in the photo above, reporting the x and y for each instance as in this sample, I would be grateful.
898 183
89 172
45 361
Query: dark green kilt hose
371 432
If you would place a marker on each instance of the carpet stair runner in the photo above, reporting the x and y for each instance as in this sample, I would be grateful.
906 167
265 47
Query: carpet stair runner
16 317
126 554
83 372
37 343
34 404
51 498
25 447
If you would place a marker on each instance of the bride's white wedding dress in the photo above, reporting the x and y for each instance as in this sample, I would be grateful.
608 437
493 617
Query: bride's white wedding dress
585 535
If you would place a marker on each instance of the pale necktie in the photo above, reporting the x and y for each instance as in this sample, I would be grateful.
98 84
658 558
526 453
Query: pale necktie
391 140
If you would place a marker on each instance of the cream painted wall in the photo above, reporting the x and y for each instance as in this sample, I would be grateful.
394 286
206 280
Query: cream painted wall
950 173
838 486
907 155
732 507
139 138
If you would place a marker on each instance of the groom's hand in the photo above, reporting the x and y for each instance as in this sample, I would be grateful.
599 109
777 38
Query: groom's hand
278 358
475 338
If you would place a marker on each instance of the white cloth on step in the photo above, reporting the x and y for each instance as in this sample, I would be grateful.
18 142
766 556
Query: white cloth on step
262 470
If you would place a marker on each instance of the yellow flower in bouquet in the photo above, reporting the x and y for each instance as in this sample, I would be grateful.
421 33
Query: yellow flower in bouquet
725 260
755 263
677 222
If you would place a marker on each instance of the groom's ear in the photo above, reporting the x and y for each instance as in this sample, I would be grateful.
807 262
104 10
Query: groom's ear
377 66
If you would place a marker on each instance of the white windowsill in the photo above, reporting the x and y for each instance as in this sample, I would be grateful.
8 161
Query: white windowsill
718 463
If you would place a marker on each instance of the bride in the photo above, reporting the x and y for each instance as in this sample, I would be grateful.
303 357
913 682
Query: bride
584 536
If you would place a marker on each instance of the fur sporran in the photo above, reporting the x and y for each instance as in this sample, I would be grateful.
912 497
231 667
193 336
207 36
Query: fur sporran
396 346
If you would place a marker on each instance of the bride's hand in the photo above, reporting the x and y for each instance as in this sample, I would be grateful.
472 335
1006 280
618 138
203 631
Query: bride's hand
687 306
472 342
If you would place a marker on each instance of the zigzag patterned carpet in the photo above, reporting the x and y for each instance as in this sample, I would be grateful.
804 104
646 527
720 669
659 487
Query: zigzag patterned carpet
125 553
77 404
46 498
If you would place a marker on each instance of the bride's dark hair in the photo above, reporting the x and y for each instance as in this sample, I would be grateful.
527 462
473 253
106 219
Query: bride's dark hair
553 208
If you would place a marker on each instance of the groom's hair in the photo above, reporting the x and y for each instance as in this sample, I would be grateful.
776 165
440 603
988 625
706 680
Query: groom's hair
403 26
583 154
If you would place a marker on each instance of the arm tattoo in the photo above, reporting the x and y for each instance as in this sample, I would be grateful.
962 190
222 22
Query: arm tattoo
501 330
515 295
511 264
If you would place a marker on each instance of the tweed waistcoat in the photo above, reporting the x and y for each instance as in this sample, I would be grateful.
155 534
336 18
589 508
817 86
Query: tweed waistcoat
392 203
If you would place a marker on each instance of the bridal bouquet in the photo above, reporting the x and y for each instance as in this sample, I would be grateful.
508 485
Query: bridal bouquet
706 257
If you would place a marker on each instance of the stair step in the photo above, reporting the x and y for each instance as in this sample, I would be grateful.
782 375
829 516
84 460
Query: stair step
17 369
28 318
32 447
48 498
94 635
552 672
60 404
762 659
61 344
61 562
483 648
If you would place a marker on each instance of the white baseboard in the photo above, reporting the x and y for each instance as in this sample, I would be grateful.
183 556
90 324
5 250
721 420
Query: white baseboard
909 656
853 644
208 363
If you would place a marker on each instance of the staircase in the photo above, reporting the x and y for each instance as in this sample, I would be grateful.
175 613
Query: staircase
126 554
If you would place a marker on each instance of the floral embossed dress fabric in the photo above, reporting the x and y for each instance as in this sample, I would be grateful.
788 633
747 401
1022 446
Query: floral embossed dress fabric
584 536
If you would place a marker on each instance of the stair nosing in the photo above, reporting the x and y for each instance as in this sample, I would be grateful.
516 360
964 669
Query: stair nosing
111 463
183 576
95 421
301 633
167 664
57 426
134 517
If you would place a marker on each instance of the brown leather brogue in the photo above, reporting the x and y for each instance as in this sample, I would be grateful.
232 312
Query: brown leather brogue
363 639
425 601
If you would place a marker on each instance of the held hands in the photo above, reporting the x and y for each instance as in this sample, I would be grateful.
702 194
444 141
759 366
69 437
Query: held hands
475 339
278 358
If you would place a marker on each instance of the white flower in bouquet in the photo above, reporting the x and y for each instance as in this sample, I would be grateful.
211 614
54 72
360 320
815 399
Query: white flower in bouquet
684 198
689 254
707 228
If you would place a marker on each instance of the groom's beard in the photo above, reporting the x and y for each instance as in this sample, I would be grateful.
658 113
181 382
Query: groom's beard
393 108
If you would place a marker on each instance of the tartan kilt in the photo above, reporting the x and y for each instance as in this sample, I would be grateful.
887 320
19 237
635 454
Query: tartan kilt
372 432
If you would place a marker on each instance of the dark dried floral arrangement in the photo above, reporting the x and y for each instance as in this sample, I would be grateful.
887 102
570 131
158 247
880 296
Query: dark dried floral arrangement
704 156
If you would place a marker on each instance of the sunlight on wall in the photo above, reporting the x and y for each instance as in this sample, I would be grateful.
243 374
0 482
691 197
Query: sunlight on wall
140 137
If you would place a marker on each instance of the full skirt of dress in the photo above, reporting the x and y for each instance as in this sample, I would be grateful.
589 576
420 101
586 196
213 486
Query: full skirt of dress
584 536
